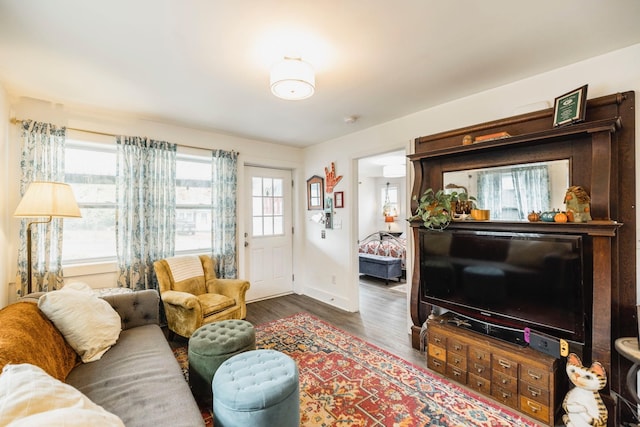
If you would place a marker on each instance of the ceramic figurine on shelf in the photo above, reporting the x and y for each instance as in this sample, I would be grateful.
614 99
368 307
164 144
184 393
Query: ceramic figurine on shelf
577 201
583 405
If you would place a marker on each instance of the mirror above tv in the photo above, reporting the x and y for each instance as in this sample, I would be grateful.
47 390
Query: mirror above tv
511 192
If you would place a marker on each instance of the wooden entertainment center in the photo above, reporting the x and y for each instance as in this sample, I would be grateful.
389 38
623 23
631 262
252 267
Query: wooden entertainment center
601 154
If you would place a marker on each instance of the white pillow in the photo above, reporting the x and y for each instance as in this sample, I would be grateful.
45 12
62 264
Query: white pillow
88 323
30 397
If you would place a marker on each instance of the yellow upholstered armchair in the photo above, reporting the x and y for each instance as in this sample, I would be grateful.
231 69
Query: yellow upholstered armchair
192 295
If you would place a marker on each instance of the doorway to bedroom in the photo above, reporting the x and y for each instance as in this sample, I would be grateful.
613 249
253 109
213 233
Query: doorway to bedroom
382 225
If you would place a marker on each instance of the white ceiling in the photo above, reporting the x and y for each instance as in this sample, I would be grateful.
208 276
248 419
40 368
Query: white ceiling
205 63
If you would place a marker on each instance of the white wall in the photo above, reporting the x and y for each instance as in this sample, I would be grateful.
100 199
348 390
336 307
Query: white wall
252 152
4 208
336 256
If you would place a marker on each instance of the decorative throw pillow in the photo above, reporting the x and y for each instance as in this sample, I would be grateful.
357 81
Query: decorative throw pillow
88 323
30 397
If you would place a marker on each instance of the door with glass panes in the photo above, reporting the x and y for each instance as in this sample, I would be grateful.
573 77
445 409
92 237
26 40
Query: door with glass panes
268 240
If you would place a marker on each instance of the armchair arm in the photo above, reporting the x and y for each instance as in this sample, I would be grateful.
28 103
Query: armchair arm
232 288
183 311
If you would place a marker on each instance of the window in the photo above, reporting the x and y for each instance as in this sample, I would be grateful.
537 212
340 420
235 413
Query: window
267 206
193 203
389 199
90 169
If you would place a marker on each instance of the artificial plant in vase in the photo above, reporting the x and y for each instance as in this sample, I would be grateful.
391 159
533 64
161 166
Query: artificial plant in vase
437 209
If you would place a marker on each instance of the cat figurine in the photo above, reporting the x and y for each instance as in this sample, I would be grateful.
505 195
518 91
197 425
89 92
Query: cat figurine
583 405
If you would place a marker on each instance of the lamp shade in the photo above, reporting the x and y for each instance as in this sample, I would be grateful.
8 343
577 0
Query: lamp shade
292 79
48 199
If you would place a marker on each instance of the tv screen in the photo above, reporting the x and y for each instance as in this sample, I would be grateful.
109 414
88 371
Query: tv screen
511 280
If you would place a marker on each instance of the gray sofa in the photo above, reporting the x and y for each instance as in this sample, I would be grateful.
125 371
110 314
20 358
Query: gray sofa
139 379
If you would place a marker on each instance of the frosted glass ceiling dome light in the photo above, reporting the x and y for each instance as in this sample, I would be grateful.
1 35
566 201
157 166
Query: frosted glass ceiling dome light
293 79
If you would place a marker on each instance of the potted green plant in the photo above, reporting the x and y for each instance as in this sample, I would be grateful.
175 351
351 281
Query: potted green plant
434 209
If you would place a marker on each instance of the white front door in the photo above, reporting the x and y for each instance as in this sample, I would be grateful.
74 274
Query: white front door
268 241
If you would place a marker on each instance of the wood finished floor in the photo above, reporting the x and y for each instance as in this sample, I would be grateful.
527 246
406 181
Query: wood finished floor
382 319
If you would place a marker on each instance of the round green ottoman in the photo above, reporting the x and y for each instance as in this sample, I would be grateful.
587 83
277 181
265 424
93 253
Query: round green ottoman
259 388
212 344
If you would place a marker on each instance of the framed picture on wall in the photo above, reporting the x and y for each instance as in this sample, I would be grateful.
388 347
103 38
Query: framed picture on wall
338 201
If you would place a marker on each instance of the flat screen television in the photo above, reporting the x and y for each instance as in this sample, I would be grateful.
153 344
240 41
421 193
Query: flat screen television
507 281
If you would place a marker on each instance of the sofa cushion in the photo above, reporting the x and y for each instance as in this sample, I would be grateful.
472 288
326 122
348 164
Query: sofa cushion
30 397
139 380
88 323
28 336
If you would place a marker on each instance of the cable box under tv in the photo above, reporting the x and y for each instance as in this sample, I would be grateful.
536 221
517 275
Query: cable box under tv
504 333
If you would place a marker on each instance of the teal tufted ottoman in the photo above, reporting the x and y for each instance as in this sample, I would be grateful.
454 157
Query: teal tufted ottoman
258 388
212 344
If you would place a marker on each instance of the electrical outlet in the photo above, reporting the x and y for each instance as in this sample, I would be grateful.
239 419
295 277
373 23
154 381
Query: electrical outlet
323 234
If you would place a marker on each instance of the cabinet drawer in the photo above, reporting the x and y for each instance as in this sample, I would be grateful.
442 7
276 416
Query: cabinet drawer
534 376
437 338
437 352
457 346
457 360
436 365
503 380
456 374
534 409
504 364
479 354
479 384
534 392
480 369
504 396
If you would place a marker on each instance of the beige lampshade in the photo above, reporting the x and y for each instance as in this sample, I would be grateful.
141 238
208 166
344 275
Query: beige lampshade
44 199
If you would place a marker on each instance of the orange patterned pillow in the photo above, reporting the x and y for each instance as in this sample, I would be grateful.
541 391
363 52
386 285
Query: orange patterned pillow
28 336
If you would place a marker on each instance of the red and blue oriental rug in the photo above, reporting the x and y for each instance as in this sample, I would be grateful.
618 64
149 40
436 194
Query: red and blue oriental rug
345 381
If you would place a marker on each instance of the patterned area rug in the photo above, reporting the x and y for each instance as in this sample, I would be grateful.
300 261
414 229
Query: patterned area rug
345 381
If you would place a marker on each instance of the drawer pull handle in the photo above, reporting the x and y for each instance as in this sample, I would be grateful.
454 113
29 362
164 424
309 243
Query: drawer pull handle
479 384
436 363
534 408
437 340
457 347
505 381
436 352
534 392
505 364
479 356
506 395
456 373
479 368
456 361
534 375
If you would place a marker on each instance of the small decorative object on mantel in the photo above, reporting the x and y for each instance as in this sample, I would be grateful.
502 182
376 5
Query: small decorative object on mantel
491 137
533 216
331 179
583 405
467 140
571 107
577 201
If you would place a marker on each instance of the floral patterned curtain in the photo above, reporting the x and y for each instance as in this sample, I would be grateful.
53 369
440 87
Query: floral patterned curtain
145 213
42 159
224 224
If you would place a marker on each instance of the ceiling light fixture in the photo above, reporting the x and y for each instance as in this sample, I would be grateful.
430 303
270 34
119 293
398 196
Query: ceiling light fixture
292 79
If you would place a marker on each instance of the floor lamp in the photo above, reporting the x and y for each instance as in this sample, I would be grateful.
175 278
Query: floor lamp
45 199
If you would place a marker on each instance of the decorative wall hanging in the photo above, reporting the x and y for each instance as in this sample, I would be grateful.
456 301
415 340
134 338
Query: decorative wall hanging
315 193
339 199
332 179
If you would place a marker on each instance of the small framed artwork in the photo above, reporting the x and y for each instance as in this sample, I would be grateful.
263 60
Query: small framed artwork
339 199
570 107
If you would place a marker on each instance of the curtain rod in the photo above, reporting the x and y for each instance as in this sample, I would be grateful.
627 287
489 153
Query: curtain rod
16 121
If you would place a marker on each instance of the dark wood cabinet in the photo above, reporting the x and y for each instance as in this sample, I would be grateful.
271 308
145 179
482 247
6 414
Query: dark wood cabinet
601 153
518 377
